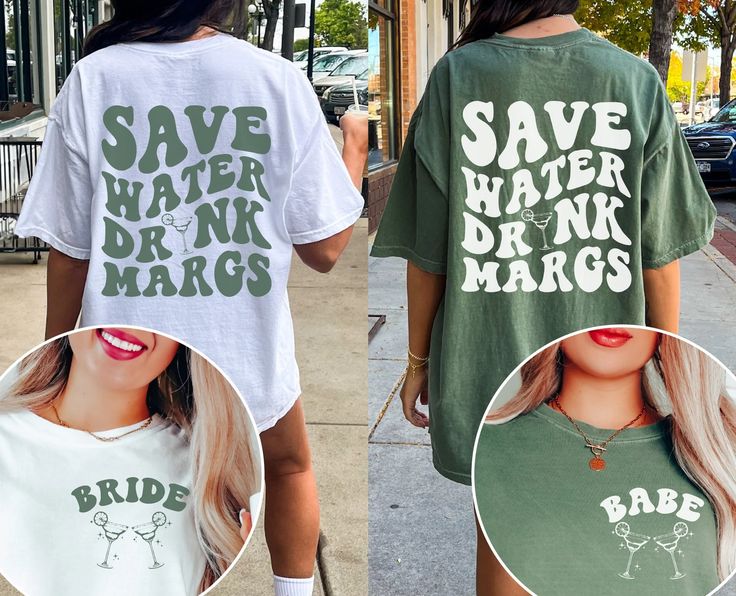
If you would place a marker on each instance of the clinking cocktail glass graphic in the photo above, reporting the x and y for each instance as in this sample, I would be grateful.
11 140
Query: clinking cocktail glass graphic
180 224
112 532
633 541
148 531
541 220
669 543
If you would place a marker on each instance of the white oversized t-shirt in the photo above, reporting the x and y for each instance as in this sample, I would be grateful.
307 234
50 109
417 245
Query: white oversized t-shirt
185 172
81 516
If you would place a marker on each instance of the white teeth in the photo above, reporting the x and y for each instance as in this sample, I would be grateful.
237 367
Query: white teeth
119 343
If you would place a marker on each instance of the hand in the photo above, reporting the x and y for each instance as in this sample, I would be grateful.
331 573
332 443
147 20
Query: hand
355 131
416 388
246 524
355 146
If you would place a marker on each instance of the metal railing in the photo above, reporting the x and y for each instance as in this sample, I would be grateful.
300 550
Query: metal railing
18 159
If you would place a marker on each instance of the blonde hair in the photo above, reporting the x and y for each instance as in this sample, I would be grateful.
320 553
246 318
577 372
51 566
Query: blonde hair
686 385
192 394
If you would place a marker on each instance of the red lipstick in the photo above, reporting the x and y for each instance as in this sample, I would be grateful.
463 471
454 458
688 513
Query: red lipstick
612 337
119 344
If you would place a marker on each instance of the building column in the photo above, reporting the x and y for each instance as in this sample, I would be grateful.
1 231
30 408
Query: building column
47 53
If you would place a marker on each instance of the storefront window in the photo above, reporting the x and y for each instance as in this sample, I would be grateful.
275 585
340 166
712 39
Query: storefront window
381 87
72 21
19 69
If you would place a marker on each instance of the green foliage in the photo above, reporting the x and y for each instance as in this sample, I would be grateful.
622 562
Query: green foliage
341 23
10 24
626 23
300 45
679 89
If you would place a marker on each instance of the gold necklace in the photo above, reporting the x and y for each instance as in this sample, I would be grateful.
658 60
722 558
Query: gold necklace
146 424
596 463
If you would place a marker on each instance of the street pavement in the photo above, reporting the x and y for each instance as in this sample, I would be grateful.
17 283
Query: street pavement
422 529
329 319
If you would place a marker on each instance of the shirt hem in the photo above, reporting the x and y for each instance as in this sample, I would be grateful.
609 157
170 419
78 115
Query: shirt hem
681 251
408 254
449 474
49 238
272 421
316 235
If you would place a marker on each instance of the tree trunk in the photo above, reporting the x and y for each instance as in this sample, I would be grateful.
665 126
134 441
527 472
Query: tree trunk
271 11
728 45
660 43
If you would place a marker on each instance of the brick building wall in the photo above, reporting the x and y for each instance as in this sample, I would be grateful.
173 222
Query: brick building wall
408 62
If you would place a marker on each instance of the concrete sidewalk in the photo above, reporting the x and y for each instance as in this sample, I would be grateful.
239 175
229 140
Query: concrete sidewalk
422 528
329 316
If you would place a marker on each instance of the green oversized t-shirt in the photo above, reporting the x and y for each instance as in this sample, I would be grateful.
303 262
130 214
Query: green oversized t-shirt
541 176
638 527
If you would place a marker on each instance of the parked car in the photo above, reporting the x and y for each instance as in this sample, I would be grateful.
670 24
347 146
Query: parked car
712 107
300 58
335 100
324 65
352 67
712 144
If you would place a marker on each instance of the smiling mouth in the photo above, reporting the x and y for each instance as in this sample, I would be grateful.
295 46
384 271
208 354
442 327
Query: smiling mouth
610 337
120 345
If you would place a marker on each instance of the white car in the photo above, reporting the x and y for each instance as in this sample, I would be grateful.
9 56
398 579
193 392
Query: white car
324 65
350 69
301 58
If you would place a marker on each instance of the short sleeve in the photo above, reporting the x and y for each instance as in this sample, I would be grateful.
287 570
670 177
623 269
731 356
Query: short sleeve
677 215
58 202
322 200
414 225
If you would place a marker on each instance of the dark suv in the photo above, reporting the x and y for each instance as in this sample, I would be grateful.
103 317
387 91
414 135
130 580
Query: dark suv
712 144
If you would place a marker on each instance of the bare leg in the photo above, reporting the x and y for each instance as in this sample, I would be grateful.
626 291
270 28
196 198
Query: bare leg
491 578
292 507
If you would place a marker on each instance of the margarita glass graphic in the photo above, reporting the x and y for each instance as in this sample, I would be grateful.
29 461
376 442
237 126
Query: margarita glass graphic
669 543
148 530
112 532
181 225
541 220
633 541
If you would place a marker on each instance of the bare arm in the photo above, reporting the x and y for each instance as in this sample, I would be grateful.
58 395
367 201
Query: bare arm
424 293
662 291
322 255
65 279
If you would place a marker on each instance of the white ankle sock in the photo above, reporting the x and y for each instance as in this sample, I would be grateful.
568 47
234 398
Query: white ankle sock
291 586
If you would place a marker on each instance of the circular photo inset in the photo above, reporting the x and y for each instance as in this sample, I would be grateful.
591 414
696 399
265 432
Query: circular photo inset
128 465
606 464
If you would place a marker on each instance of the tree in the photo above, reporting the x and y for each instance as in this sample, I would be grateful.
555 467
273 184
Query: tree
715 21
341 23
640 27
301 45
10 24
678 86
271 11
660 42
625 23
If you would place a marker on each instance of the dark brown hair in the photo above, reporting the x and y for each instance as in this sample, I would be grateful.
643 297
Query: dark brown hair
496 16
165 21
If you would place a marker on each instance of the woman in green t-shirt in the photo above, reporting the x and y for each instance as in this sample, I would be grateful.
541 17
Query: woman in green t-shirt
612 470
537 193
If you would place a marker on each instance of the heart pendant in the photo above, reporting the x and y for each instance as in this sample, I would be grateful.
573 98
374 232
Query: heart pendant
597 464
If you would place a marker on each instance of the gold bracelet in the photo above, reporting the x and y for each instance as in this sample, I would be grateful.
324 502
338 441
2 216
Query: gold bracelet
416 362
420 359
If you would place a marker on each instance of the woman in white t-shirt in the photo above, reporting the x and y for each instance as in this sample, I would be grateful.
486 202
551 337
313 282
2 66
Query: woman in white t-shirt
118 453
181 168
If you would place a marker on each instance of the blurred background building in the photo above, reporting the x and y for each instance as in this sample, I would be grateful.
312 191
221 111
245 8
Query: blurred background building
406 38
